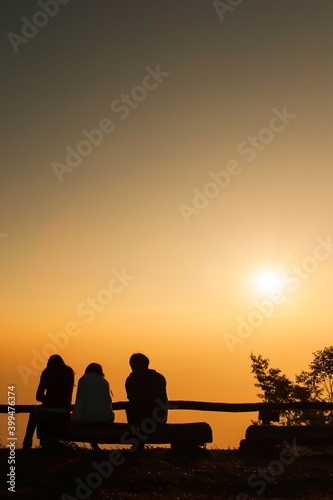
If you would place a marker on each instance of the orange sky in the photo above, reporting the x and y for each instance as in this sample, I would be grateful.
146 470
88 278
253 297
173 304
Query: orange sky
217 169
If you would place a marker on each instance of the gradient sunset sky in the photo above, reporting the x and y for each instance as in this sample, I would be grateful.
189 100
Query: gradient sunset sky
214 169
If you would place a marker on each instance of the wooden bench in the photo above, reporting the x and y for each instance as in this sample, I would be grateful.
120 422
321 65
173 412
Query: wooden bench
178 435
174 433
262 438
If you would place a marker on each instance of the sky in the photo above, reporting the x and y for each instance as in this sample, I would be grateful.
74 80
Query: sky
166 188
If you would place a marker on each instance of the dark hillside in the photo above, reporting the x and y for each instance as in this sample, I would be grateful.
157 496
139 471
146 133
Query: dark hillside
160 474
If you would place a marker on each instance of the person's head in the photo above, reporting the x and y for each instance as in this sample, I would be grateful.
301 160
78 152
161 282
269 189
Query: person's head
96 368
139 362
55 362
56 368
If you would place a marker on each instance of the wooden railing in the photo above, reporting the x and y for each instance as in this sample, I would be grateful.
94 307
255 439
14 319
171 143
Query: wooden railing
268 412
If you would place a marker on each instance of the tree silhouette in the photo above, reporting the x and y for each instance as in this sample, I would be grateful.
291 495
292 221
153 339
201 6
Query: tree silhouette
316 384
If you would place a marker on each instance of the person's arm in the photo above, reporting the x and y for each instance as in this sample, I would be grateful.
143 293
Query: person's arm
165 390
78 412
40 394
162 393
128 388
69 390
109 392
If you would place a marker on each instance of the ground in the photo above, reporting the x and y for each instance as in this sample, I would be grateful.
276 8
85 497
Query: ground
158 473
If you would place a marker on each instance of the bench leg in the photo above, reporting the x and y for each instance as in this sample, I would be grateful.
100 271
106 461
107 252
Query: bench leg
95 446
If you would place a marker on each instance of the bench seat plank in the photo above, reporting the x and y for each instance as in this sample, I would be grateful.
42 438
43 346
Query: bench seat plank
197 433
264 436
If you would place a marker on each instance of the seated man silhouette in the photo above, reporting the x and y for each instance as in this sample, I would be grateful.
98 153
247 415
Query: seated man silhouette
146 393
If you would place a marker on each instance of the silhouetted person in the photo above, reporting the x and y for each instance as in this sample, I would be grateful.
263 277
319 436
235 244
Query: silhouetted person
93 404
93 399
145 389
55 393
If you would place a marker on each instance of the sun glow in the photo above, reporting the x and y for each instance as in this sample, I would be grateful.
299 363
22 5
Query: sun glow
268 281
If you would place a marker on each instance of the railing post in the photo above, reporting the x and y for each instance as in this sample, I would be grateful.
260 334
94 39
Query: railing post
267 416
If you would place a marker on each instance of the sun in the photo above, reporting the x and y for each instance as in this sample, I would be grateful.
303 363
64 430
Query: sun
267 281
